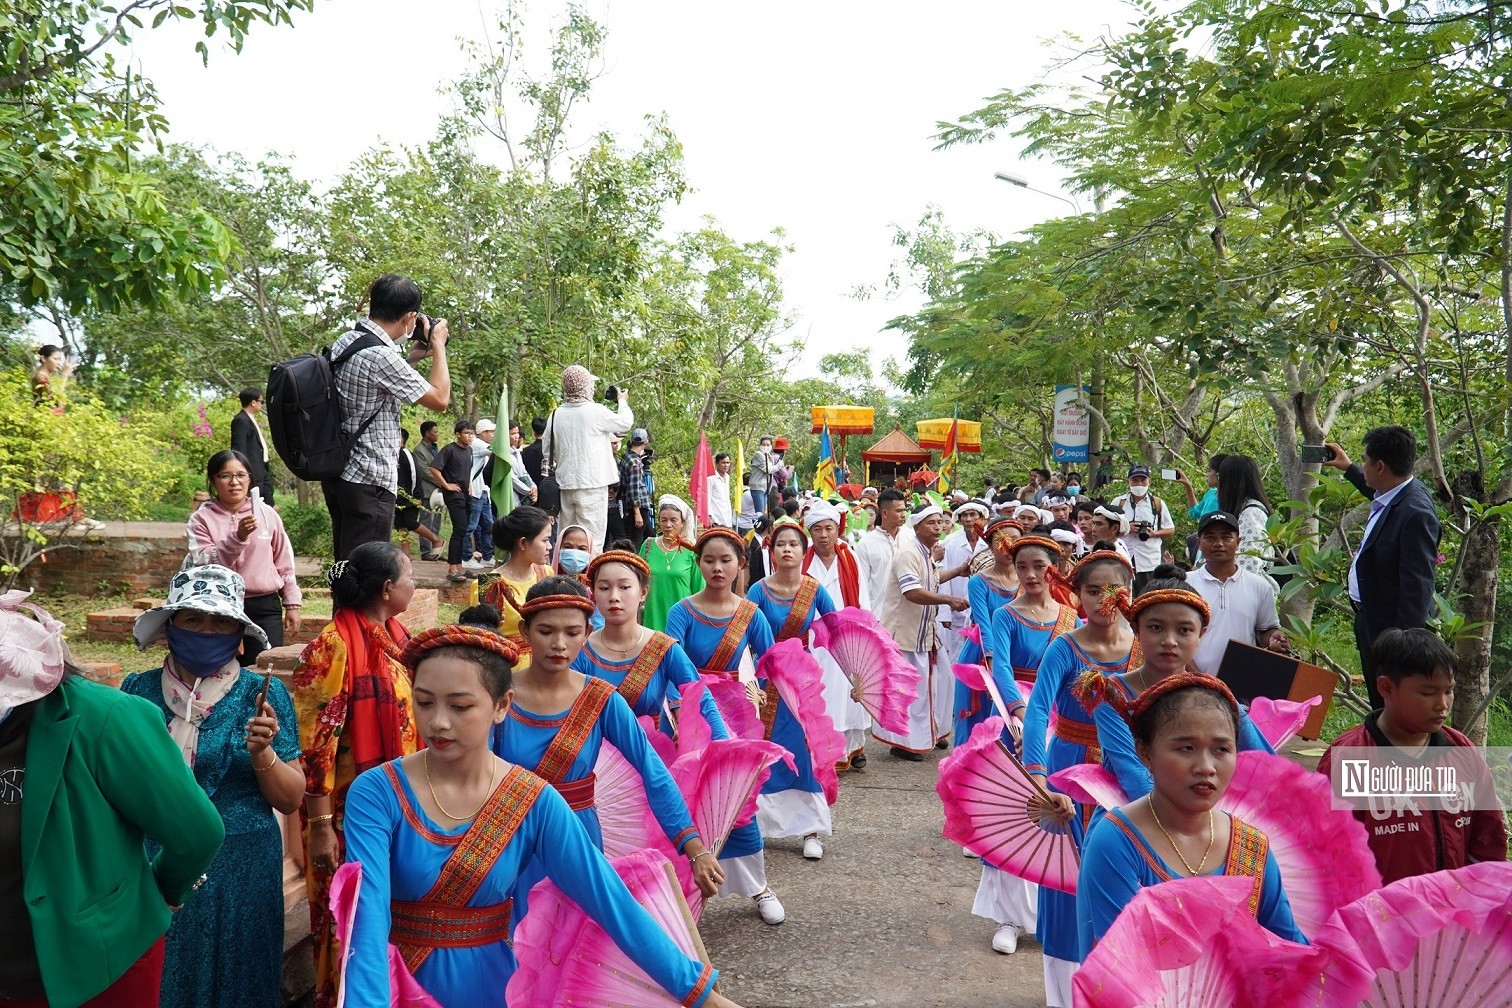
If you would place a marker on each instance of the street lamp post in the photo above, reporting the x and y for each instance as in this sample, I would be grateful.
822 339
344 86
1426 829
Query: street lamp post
1023 183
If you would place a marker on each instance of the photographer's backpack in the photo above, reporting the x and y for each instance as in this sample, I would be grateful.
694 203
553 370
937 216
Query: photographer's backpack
304 412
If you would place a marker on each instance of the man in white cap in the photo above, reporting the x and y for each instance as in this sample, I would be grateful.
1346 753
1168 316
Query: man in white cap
578 448
1150 524
908 613
961 546
830 562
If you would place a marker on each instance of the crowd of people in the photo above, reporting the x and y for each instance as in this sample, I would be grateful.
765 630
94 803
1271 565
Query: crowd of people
461 765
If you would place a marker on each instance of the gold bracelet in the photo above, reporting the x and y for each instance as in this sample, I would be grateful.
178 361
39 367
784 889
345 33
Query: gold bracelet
322 818
270 766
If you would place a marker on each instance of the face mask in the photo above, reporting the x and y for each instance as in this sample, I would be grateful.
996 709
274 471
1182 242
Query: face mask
202 654
573 561
1072 491
1138 491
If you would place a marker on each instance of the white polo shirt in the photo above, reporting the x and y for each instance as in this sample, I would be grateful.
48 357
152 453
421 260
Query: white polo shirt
1241 606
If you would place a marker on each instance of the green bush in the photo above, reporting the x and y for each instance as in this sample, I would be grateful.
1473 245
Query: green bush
309 529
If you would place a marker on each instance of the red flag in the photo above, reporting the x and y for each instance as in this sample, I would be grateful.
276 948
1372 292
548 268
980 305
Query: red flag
698 490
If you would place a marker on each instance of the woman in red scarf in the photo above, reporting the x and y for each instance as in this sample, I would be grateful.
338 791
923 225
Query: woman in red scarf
352 695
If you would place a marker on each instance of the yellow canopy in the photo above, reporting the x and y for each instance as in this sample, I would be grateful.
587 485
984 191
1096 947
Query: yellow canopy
933 434
842 420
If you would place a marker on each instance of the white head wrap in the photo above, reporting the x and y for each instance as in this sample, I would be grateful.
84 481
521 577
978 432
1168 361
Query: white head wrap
1118 518
918 516
822 511
1065 537
973 505
676 503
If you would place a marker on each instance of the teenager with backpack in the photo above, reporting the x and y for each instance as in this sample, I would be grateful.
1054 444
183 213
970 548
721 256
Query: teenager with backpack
371 382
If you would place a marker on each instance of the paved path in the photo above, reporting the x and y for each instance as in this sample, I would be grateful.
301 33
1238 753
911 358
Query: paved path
884 920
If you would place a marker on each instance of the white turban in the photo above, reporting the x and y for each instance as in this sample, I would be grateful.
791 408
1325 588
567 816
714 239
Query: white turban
1065 537
822 511
973 505
679 505
918 516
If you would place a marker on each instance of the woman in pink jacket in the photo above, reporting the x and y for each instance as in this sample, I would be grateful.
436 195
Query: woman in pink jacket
239 531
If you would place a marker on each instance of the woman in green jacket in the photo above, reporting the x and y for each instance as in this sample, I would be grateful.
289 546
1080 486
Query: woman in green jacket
86 772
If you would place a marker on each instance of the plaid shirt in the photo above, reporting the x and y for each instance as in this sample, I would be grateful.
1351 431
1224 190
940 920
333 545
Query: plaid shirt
640 496
374 382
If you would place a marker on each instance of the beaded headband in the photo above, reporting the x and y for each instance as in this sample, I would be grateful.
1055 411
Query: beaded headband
563 601
1040 541
426 641
710 535
1170 684
1184 596
622 557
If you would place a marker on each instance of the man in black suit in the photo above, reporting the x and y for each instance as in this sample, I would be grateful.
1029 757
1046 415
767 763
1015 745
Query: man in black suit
532 454
247 438
1391 579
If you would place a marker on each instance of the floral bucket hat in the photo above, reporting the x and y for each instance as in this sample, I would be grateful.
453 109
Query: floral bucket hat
211 589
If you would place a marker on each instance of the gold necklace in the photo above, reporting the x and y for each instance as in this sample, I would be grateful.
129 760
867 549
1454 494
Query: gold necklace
425 759
1212 834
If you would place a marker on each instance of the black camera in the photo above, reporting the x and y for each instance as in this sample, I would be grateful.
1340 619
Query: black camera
421 334
1144 530
611 395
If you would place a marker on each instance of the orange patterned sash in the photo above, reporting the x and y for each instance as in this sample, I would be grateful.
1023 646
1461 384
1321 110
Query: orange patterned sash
729 644
636 680
803 602
576 728
442 918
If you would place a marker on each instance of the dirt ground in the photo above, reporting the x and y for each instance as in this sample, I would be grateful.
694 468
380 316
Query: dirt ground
883 921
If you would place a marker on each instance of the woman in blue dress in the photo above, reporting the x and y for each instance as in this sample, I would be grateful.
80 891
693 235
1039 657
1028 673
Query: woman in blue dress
988 591
646 666
1169 619
558 718
1186 729
445 836
225 947
1020 633
1103 642
725 635
792 801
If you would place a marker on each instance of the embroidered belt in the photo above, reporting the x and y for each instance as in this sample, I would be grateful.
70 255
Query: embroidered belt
1080 733
435 925
579 793
1025 674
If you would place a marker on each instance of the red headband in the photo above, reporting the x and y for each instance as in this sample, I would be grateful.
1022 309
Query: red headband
720 533
1097 556
1181 680
1184 596
618 556
1040 541
455 635
563 601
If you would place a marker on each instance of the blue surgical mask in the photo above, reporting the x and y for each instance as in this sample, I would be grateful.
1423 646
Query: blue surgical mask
573 561
202 654
1073 490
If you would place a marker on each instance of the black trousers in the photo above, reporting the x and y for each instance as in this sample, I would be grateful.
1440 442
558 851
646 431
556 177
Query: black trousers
458 508
1365 645
360 512
267 612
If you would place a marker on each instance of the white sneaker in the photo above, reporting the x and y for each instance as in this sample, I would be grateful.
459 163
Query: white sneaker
1006 939
967 854
813 848
771 908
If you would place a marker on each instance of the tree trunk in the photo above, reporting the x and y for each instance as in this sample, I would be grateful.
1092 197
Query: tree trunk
1480 555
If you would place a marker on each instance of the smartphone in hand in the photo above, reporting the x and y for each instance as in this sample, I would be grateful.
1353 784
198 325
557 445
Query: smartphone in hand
262 694
1170 474
1317 453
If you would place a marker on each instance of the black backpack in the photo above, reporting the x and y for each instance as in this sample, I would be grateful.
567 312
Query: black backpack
304 412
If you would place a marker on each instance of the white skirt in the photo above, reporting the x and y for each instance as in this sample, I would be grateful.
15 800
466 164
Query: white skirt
1006 899
1058 981
744 876
793 813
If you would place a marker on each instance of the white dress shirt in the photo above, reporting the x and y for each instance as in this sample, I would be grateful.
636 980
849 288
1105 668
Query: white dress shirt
721 509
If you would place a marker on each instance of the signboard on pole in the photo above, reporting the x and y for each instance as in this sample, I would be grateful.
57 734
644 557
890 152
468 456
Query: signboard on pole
1073 424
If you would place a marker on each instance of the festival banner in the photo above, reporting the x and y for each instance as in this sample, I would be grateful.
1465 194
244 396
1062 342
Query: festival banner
698 482
948 456
502 488
1073 423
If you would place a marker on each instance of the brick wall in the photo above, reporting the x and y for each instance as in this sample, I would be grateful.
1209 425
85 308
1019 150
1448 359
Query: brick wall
109 565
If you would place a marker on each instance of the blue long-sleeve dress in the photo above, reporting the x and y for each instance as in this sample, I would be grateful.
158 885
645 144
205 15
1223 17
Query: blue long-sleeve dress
404 854
972 707
525 737
1020 644
793 802
646 693
226 945
1117 862
701 636
1074 742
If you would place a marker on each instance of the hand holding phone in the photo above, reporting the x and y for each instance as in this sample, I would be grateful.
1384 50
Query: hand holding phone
1170 474
1317 453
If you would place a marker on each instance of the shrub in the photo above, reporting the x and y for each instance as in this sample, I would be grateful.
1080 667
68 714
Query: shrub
309 529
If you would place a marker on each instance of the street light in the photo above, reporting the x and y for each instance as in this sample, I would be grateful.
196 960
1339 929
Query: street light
1023 183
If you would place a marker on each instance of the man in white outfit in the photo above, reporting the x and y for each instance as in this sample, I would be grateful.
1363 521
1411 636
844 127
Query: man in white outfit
578 447
832 563
961 546
877 548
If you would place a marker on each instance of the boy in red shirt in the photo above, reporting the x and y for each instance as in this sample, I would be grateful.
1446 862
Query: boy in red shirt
1416 682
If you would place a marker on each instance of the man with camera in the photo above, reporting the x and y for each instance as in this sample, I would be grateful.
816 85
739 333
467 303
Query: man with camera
1150 524
372 385
578 450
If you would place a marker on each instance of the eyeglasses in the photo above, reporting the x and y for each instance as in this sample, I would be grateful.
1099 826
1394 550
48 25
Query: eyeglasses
234 477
